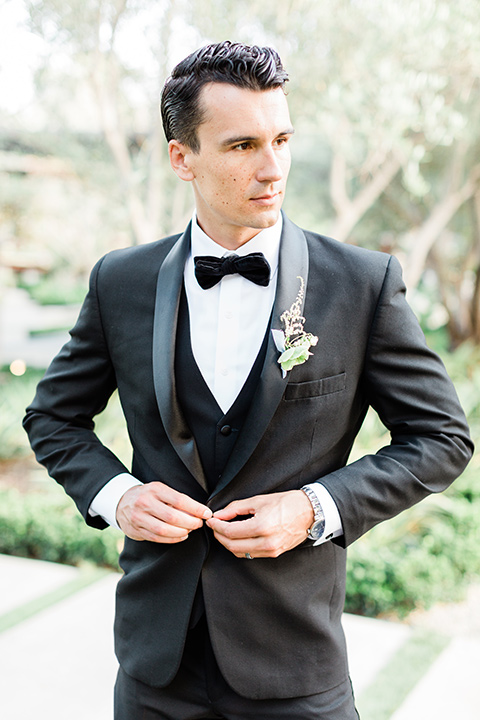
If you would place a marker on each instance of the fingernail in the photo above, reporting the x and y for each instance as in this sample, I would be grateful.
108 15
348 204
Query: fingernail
207 514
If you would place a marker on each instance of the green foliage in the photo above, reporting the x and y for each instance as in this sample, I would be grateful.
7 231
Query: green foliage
48 527
15 394
55 289
463 366
46 524
428 553
432 551
385 154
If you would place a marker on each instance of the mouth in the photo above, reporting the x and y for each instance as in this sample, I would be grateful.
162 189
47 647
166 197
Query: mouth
266 200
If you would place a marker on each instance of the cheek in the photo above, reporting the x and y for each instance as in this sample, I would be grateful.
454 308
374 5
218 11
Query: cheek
238 179
233 183
224 185
286 166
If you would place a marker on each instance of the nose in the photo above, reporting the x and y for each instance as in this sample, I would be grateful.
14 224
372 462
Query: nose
270 167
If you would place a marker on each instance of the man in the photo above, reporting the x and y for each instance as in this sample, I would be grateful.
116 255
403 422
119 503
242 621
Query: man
240 504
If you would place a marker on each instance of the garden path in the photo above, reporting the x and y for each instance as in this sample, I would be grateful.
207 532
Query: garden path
56 627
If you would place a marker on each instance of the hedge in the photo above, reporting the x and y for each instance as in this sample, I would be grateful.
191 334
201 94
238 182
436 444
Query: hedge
50 528
428 553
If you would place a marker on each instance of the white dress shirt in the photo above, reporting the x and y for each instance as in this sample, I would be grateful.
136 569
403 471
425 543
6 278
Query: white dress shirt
227 327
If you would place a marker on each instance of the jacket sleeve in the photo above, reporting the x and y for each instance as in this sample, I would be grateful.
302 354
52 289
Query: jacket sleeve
59 421
407 384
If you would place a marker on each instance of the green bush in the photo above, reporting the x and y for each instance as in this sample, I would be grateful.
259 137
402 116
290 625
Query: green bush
15 394
56 289
48 527
431 552
428 553
18 392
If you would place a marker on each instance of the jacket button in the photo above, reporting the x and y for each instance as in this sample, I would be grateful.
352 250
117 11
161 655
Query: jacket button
226 430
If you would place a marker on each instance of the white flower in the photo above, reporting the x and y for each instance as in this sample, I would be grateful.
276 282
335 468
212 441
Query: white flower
294 344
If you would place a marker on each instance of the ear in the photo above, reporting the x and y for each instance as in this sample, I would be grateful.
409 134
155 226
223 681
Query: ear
179 160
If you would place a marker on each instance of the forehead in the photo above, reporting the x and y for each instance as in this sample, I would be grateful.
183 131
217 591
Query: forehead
240 112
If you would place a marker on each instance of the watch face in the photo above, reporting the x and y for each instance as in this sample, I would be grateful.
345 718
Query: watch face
317 529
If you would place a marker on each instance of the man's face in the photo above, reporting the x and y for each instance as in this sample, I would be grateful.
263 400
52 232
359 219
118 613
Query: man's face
240 173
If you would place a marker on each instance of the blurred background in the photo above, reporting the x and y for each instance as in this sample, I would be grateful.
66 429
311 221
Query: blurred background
386 104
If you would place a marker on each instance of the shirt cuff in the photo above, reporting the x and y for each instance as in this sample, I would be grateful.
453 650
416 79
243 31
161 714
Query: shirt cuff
105 502
333 521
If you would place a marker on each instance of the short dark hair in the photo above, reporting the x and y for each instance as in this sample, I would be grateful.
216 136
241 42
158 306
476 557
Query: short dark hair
246 66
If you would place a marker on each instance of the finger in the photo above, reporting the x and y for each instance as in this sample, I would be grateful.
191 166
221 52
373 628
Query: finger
256 547
144 534
160 528
155 516
142 513
236 508
235 529
144 526
160 532
172 517
179 500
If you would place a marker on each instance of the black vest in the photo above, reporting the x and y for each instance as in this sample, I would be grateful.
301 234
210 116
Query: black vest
215 432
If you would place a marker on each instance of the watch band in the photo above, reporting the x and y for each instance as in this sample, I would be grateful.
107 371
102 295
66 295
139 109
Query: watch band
317 528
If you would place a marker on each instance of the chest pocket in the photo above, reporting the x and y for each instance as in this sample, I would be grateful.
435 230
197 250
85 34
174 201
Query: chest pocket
315 388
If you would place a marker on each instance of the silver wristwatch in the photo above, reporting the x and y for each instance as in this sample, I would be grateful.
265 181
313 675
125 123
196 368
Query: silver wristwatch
316 531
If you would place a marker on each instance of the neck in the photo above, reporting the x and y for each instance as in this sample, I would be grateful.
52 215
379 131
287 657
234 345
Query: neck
228 239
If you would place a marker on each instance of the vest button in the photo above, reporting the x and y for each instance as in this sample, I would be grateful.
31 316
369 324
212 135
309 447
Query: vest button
226 430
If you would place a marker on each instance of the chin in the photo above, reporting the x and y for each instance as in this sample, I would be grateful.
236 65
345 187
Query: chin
266 219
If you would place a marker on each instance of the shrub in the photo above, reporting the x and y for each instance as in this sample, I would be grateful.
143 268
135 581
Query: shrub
48 527
15 394
428 553
432 551
56 289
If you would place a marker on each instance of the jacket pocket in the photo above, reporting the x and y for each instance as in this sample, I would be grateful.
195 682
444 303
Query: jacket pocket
316 388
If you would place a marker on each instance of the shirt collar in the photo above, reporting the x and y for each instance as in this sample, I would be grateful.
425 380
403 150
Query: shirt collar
266 241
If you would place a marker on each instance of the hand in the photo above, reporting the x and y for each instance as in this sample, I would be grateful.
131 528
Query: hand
278 522
158 513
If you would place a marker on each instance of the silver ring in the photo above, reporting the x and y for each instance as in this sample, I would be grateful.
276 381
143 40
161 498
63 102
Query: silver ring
248 556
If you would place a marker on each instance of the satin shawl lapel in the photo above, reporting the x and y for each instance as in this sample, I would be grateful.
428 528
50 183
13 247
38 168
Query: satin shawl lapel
169 285
293 262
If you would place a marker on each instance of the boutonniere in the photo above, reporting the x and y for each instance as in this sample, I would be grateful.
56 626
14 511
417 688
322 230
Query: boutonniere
294 343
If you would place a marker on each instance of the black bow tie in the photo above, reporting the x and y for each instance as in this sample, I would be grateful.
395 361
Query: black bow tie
210 270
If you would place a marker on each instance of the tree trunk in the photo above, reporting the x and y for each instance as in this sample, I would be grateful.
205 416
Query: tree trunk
350 212
441 215
476 292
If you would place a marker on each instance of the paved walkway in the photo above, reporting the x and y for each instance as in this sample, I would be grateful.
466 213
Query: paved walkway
57 662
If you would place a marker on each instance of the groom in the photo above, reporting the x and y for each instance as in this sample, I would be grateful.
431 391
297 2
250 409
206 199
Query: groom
240 502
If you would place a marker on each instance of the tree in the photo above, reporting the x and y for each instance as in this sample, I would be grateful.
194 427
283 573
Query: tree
94 40
384 96
393 95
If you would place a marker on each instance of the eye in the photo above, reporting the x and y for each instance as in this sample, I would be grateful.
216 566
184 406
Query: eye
242 146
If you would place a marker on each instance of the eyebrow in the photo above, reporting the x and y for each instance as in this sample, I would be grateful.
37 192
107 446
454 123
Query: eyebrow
250 138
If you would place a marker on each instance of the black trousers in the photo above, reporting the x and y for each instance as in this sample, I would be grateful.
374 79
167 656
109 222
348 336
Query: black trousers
199 691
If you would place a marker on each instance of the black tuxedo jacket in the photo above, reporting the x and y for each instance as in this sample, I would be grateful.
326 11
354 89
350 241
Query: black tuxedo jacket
274 623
